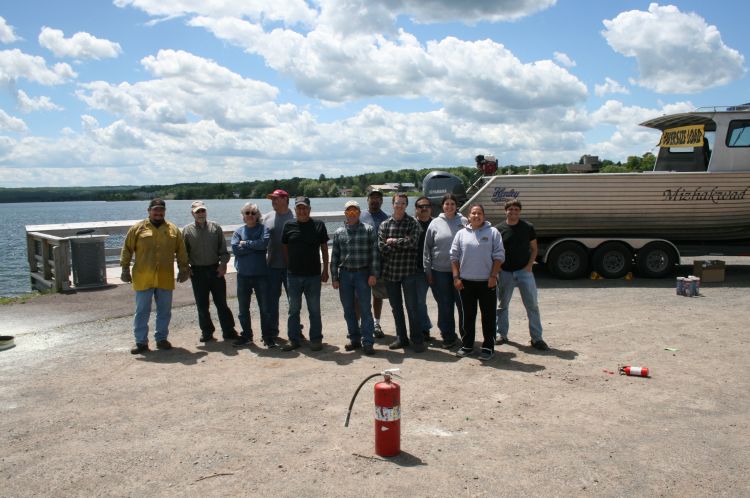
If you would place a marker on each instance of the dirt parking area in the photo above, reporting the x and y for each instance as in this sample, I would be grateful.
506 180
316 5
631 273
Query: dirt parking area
80 416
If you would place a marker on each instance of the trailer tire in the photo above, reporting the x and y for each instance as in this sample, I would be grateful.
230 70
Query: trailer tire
613 260
656 260
568 260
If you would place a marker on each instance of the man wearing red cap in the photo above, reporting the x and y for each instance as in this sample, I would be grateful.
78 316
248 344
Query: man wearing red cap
275 221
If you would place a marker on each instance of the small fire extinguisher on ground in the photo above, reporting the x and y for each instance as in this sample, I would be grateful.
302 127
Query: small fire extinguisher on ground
387 413
634 371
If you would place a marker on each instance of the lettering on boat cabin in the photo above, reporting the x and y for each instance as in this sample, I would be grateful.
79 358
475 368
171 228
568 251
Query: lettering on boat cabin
704 194
501 194
684 136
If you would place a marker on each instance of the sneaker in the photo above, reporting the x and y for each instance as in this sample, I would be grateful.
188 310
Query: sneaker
290 346
352 346
207 338
368 349
419 348
464 352
397 344
486 354
140 348
163 344
243 340
500 340
450 344
316 345
231 335
378 332
270 343
540 345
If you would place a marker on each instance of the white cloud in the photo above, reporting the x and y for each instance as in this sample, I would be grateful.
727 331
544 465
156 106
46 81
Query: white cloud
186 89
610 86
11 123
676 52
15 64
29 104
564 59
79 46
7 32
629 137
288 11
466 76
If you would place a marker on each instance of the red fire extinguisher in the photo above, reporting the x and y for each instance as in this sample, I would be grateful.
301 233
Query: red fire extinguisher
634 371
387 413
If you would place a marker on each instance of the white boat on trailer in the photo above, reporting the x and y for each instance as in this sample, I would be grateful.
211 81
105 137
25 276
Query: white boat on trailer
696 201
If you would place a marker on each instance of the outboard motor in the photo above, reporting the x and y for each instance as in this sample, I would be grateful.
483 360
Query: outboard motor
438 183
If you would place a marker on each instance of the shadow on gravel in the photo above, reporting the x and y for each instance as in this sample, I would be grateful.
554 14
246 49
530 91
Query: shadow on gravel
563 354
224 347
406 459
174 355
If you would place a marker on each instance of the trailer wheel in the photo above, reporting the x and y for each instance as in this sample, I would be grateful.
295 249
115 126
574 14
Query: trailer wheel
656 260
613 260
568 260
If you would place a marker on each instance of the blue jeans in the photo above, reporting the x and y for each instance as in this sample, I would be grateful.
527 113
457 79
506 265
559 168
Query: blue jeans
143 299
276 279
354 284
448 301
526 284
246 285
310 287
409 286
422 287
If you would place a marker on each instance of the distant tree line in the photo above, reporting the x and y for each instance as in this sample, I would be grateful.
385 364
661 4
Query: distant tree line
320 187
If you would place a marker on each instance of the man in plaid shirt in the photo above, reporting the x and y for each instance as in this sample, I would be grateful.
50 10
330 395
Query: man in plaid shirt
355 266
398 239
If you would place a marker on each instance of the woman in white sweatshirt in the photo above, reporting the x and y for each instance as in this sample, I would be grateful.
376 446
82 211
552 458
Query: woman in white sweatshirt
477 254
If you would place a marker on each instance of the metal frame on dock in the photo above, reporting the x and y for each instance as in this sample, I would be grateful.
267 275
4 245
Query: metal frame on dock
49 247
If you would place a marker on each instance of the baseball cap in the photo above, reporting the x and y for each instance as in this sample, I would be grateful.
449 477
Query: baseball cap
197 205
302 200
278 193
157 202
375 191
352 204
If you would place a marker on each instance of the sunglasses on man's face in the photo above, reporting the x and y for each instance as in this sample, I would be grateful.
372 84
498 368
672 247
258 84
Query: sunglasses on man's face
422 206
248 213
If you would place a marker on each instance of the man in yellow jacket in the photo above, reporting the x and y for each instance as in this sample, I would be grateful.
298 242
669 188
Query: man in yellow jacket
154 242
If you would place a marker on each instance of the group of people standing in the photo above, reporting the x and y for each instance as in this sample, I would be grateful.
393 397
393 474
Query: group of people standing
468 264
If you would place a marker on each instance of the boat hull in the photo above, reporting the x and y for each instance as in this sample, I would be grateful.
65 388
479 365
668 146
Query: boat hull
674 206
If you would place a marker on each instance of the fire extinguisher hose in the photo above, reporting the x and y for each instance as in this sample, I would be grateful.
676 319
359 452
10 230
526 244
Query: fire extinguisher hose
351 403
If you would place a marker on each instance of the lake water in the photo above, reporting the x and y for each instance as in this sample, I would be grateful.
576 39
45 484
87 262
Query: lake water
14 268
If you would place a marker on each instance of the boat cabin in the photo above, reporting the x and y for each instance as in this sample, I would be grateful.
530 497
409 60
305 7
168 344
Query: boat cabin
712 140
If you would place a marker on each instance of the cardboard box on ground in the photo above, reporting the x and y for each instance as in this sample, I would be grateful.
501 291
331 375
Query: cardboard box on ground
709 270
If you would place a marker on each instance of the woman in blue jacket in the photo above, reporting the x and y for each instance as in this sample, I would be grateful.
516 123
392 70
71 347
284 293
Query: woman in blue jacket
249 245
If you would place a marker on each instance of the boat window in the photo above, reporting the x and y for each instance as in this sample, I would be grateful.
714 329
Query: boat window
738 134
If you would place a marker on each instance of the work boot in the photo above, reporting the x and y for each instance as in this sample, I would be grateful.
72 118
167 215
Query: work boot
163 344
140 348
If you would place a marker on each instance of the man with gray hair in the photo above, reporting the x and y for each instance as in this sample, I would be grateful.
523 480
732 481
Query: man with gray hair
208 256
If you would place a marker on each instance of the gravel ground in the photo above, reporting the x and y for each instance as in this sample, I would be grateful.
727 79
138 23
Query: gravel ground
80 416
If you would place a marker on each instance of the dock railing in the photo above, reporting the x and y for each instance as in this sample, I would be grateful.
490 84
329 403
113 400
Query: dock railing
49 248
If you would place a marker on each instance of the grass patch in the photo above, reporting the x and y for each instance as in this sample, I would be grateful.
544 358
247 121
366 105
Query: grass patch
22 298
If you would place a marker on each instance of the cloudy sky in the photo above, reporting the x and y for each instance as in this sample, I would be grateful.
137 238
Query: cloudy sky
129 92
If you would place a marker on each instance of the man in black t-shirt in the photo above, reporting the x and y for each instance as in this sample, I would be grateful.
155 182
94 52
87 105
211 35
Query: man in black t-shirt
304 239
519 240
